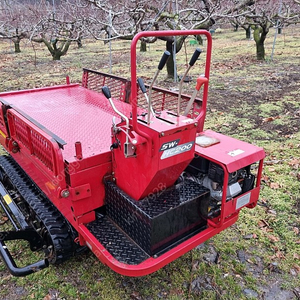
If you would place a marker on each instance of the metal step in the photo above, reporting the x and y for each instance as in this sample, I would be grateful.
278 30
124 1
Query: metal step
117 243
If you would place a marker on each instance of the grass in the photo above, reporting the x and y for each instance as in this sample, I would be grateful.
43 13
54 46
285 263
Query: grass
254 101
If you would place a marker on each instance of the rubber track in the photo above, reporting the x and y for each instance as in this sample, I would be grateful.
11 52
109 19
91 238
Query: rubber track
58 228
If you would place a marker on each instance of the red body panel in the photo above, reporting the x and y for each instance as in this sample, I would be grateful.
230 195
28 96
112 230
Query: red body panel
233 153
46 124
152 170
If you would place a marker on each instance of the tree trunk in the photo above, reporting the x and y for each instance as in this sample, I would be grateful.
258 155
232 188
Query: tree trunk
248 32
169 47
61 51
260 34
56 55
143 47
260 50
16 40
170 61
199 39
17 46
79 43
57 52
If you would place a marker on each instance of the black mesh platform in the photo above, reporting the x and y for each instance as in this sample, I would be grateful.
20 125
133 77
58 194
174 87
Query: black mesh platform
116 242
158 221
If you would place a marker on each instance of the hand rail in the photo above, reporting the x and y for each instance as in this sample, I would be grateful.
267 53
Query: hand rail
134 42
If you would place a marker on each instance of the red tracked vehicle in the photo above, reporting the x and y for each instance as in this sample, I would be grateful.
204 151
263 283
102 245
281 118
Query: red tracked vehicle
121 168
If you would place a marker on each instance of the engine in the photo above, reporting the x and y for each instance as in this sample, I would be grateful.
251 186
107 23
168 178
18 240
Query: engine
211 176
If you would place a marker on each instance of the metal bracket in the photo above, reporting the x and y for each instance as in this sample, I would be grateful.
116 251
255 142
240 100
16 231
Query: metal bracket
35 242
129 149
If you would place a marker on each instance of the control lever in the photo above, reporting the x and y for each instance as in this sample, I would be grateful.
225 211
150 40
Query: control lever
107 94
200 82
191 63
161 64
144 91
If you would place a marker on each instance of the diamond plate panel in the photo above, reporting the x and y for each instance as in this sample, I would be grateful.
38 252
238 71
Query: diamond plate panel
73 113
159 220
116 242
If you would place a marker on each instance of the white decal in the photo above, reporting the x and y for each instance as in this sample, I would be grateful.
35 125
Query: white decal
177 150
169 145
243 200
236 152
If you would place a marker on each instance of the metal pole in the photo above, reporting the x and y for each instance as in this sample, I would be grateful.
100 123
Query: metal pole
53 7
175 7
174 59
109 37
276 31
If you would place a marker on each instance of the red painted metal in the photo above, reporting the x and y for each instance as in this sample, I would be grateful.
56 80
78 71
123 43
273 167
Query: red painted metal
152 264
73 113
233 153
134 99
155 171
61 136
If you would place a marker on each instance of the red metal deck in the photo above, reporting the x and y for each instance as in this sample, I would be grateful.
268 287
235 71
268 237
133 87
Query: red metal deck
72 113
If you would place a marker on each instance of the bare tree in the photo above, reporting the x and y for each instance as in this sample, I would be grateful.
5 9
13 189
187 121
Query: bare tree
59 26
261 15
124 20
15 23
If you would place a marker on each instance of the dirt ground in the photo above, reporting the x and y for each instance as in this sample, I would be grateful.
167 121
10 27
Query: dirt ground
277 84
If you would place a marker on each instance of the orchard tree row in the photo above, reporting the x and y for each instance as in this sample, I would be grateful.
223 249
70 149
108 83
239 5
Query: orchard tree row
58 23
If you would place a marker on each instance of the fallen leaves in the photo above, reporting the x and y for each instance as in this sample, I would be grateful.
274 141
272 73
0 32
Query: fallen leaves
274 185
296 256
3 220
270 119
273 238
263 223
295 270
294 163
271 169
278 255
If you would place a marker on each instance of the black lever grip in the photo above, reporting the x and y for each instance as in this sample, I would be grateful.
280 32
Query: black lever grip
195 56
141 85
106 92
163 60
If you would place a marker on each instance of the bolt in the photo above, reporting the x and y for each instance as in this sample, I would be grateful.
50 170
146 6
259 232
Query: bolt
162 134
196 124
65 193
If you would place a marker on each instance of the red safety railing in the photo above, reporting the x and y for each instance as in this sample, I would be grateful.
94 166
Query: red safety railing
120 88
40 147
2 121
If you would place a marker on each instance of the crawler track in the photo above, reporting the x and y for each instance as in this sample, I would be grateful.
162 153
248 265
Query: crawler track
58 235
